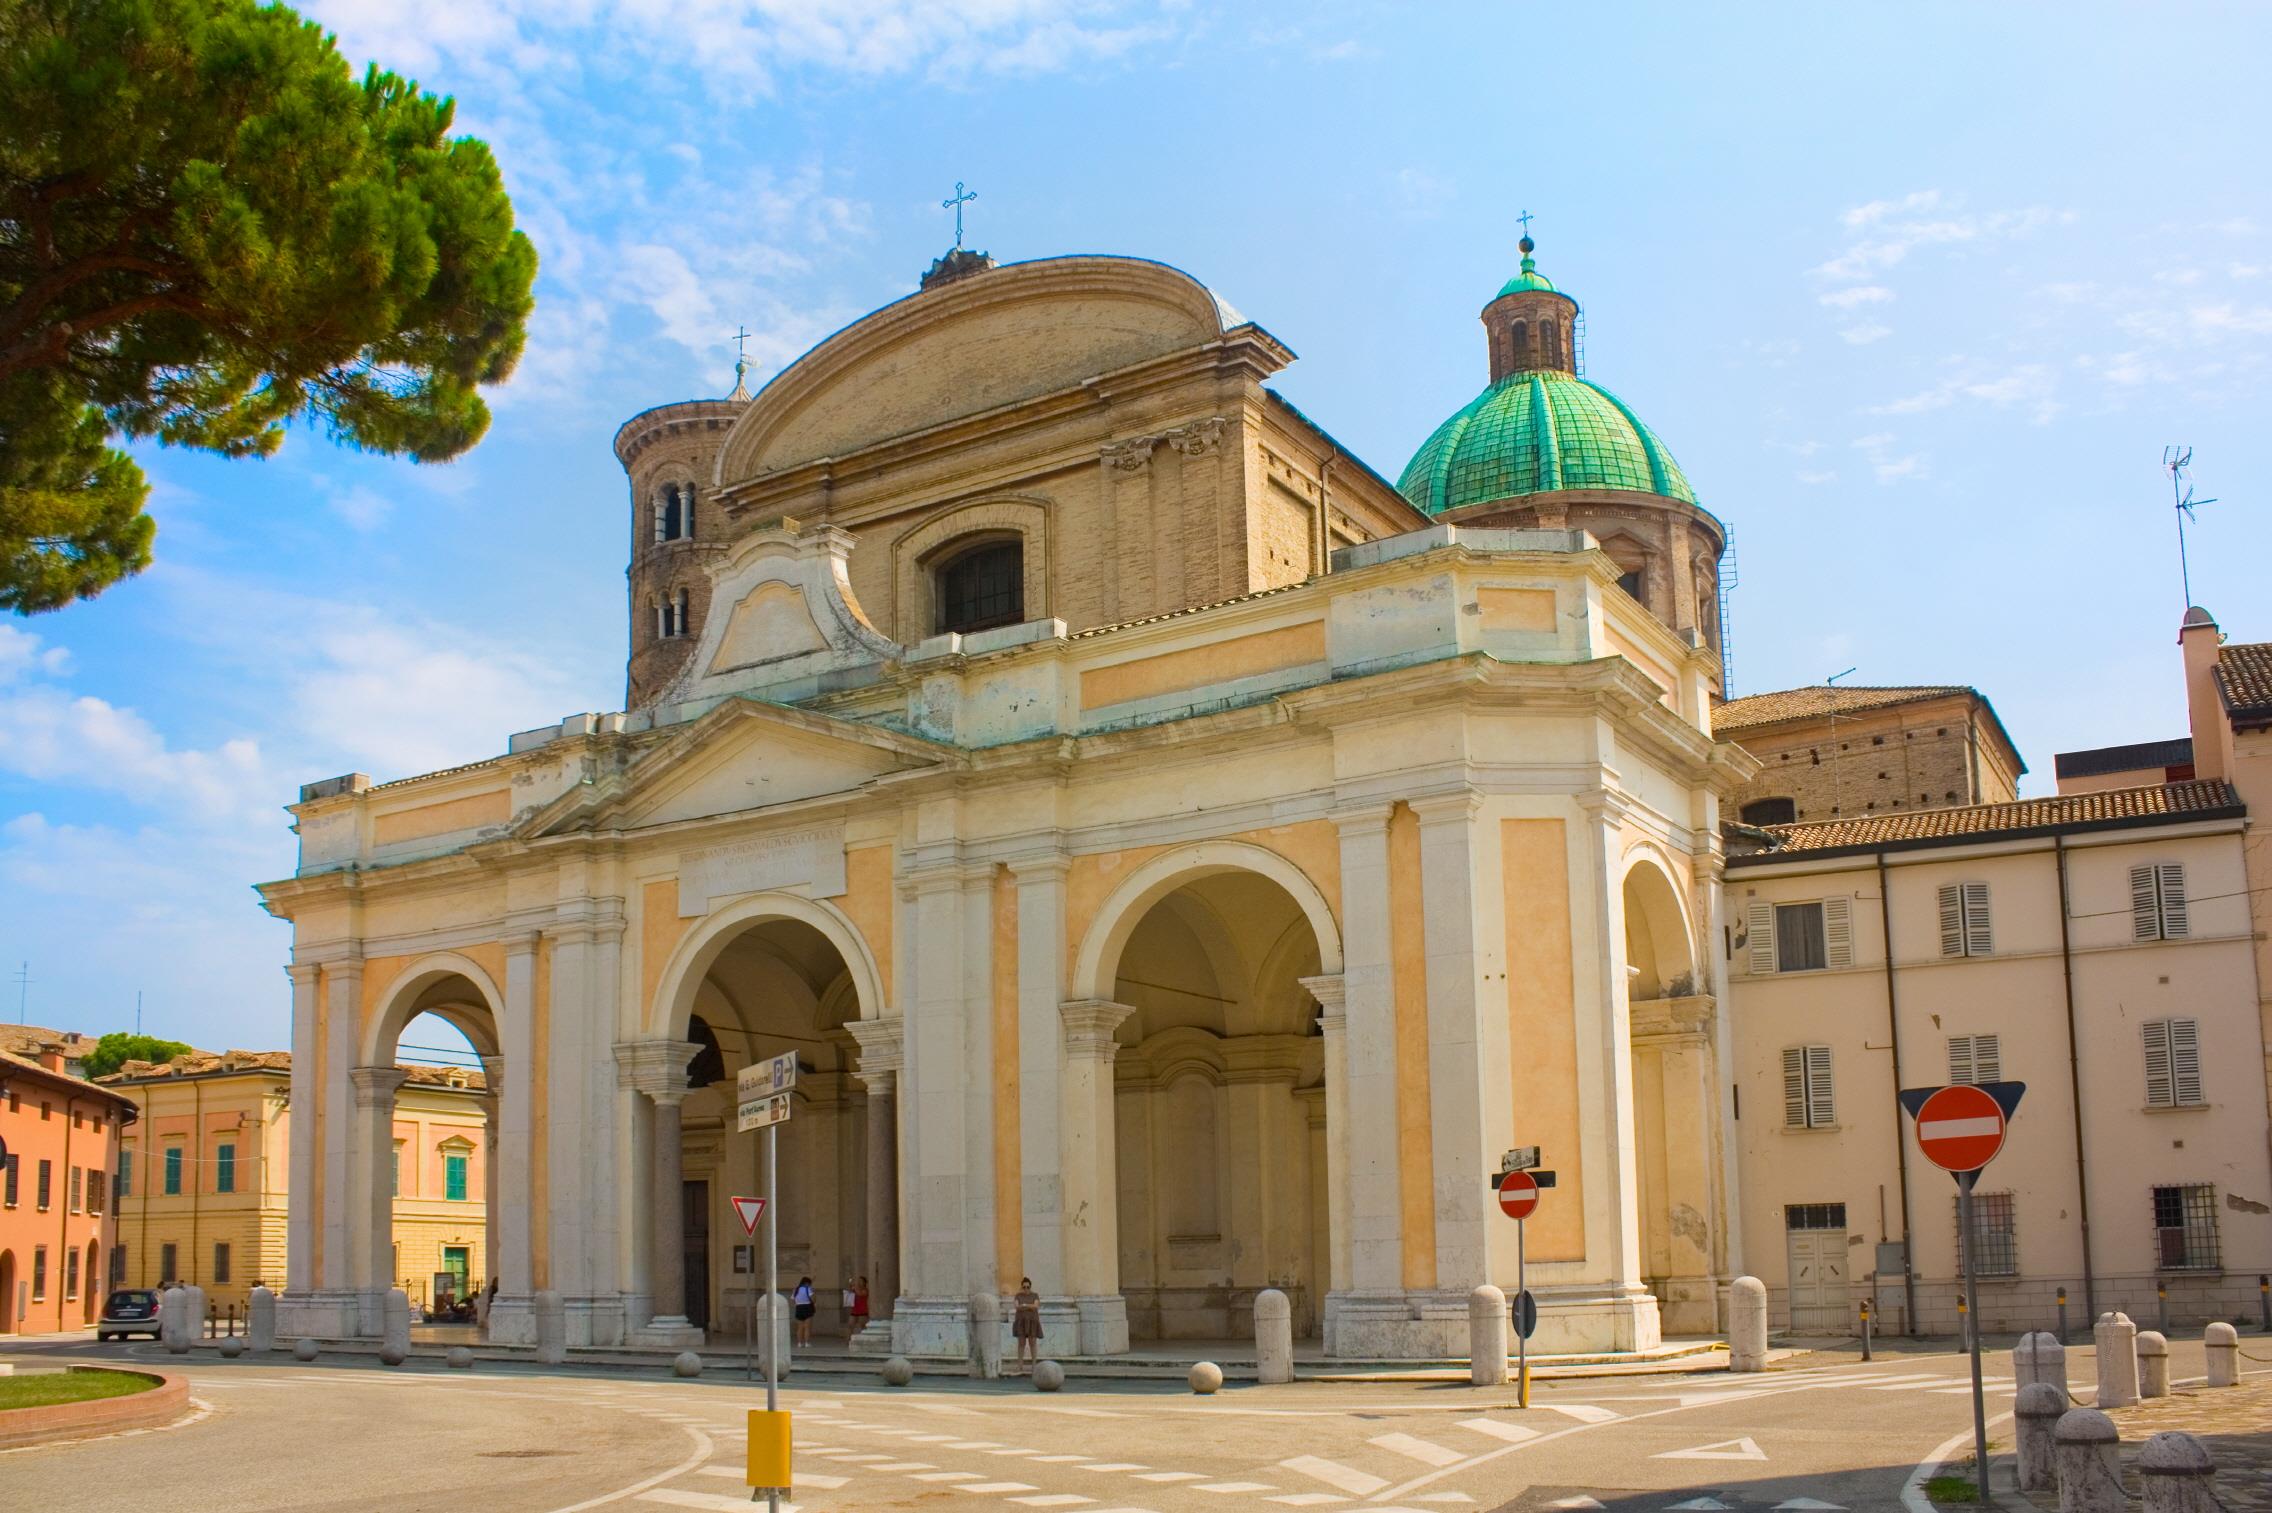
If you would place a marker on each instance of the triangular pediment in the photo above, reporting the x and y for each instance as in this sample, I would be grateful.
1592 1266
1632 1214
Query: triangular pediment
741 756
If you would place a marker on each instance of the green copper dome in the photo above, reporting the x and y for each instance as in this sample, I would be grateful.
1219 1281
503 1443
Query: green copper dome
1536 431
1529 277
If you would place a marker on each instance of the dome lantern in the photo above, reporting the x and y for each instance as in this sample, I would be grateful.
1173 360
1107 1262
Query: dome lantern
1531 324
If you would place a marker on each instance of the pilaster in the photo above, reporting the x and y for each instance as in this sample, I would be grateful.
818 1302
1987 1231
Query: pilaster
1333 1021
342 1009
882 1057
371 1189
1459 1051
1042 1113
1375 1244
1091 1175
306 1129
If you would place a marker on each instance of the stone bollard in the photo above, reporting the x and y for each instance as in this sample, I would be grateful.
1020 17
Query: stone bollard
1487 1337
232 1346
173 1333
260 1322
2221 1343
2116 1339
686 1363
985 1336
2088 1455
1048 1376
193 1312
394 1336
2153 1364
551 1327
783 1334
2176 1473
2037 1412
2039 1357
459 1358
1273 1337
1206 1378
1747 1324
898 1371
304 1349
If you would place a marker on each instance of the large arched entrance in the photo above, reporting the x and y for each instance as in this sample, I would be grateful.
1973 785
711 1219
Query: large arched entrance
1674 1092
758 983
1220 1104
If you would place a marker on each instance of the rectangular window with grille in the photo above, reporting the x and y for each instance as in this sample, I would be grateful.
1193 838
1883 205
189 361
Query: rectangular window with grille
2157 902
39 1273
71 1272
169 1263
1964 920
2185 1228
8 1181
2173 1063
1995 1238
1975 1058
1814 1216
220 1261
46 1183
1808 1100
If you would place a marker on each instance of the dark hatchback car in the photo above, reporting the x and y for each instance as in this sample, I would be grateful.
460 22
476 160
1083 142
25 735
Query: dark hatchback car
129 1311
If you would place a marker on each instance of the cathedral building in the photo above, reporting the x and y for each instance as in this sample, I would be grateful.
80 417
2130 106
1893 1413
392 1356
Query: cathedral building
1182 862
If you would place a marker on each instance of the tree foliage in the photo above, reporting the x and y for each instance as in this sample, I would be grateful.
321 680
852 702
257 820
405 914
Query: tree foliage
117 1048
208 229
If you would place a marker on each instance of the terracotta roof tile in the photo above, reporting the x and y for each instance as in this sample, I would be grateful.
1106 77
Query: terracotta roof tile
29 1040
210 1063
2175 802
9 1061
1818 699
2244 678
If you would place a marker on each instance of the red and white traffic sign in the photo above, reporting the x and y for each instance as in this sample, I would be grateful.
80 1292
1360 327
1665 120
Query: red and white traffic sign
1518 1194
1960 1128
749 1211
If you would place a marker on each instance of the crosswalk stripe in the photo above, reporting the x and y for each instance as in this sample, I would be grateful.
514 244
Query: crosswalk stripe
902 1465
804 1478
1513 1434
1309 1499
710 1501
1234 1486
948 1476
1171 1476
996 1487
1418 1449
1118 1465
1584 1413
1335 1474
1053 1500
1927 1383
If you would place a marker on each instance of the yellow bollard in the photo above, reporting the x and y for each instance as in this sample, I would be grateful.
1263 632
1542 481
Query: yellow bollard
768 1450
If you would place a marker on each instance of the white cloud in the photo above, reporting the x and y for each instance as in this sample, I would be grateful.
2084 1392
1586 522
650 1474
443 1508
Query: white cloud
361 508
1887 231
1863 334
23 652
1422 193
2256 321
1816 478
1877 449
1861 294
2030 385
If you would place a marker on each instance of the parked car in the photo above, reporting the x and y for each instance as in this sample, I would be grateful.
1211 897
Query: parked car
130 1310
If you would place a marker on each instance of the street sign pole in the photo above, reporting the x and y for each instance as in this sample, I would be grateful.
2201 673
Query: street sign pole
1964 1185
1522 1339
773 1282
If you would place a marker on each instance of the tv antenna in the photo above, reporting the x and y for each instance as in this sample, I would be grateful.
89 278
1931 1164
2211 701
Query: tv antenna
2175 460
24 982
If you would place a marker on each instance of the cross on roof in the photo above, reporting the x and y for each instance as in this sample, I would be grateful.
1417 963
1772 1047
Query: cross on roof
960 198
1525 219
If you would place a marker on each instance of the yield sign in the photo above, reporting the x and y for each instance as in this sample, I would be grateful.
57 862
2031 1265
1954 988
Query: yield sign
1518 1194
749 1211
1960 1128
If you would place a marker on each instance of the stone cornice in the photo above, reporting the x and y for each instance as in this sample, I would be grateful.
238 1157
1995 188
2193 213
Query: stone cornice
883 1046
1674 1019
375 1086
1089 1026
655 1067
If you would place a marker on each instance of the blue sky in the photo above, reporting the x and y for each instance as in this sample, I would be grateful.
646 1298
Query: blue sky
1916 295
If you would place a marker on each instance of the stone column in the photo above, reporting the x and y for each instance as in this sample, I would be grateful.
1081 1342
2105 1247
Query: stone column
1605 1078
516 1168
1463 1050
306 1131
1333 1020
1369 1134
573 1168
882 1055
666 1213
343 1004
945 1102
372 1202
492 1069
1040 1061
1091 1174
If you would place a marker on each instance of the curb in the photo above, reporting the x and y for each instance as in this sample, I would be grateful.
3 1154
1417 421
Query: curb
161 1404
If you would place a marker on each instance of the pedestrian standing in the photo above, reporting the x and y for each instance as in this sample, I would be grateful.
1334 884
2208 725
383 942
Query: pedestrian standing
802 1298
859 1305
1025 1324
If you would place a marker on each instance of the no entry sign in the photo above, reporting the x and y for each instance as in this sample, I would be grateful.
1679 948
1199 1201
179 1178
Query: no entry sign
1960 1128
1518 1194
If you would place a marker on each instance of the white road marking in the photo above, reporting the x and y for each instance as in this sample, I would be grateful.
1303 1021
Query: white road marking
1420 1450
1335 1474
1513 1434
994 1487
1053 1500
1584 1413
1309 1499
1745 1448
1575 1504
1699 1505
1234 1486
1443 1497
1118 1465
974 1444
1171 1476
704 1449
902 1465
706 1500
804 1478
1807 1505
1054 1460
948 1476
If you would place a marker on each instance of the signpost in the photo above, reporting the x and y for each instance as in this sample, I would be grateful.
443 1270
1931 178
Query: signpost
749 1211
762 1103
1960 1128
1517 1190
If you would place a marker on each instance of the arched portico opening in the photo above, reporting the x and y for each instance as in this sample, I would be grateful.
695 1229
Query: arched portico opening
764 978
1674 1058
1219 1089
424 1142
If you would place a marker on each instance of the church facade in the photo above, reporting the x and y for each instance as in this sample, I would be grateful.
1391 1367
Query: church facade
1182 861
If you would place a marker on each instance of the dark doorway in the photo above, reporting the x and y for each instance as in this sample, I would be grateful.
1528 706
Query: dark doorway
697 1231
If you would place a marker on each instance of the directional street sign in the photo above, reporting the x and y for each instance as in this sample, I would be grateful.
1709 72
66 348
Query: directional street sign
749 1211
757 1113
776 1074
1526 1314
1518 1194
1521 1159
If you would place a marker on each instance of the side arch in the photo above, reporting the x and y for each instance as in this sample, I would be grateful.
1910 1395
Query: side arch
1098 962
690 962
402 1005
1649 882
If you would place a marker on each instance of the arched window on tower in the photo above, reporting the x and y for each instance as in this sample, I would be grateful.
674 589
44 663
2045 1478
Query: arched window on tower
674 512
981 586
1552 332
1519 338
684 620
686 510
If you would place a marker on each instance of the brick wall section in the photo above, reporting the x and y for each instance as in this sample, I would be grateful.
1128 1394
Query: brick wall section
1928 755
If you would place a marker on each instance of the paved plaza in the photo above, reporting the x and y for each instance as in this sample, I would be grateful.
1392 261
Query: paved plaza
1822 1431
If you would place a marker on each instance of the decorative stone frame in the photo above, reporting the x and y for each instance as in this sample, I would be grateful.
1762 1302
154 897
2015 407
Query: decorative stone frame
914 607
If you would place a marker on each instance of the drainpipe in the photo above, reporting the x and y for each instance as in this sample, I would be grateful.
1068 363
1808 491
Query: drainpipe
2075 1079
1900 1131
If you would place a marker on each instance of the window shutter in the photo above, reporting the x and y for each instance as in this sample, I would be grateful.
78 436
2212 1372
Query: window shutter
1794 1086
2185 1060
2173 900
1952 920
1987 1059
1838 931
2145 905
1822 1110
1960 1057
1976 937
2158 1092
1762 929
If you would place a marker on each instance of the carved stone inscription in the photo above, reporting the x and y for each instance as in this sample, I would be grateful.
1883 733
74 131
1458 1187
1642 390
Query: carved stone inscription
811 860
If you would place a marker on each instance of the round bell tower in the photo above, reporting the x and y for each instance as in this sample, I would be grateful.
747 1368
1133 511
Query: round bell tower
671 456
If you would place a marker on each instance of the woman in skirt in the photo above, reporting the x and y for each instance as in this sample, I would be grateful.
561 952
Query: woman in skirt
1025 1324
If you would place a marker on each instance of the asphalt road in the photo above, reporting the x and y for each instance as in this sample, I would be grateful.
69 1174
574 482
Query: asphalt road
1823 1432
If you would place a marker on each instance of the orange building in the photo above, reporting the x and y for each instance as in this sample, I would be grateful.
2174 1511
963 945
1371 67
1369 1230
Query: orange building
57 1225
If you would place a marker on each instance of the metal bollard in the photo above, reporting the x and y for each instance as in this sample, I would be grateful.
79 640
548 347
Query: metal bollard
2161 1305
2062 1315
2036 1413
2176 1474
2264 1300
1865 1329
2087 1454
1963 1323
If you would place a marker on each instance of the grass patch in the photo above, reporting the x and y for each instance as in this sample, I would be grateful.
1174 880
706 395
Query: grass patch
1952 1489
44 1388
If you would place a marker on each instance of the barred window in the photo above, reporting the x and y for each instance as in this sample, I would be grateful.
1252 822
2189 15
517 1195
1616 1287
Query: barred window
982 587
1995 1237
2185 1228
1814 1216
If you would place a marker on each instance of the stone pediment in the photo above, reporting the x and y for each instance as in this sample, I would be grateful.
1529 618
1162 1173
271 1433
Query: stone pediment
741 756
782 620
